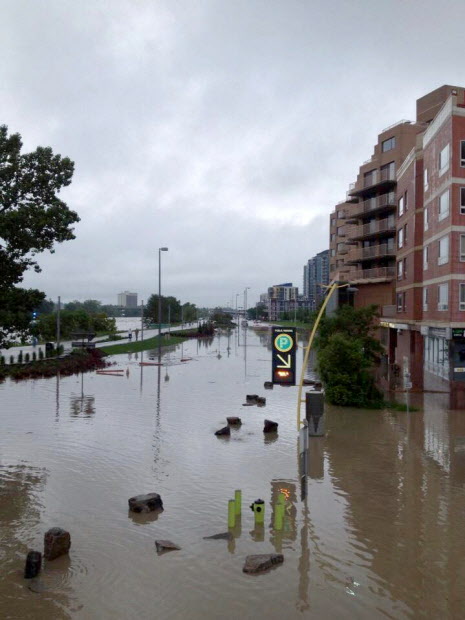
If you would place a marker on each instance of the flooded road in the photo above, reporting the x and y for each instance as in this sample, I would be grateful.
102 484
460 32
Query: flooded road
379 535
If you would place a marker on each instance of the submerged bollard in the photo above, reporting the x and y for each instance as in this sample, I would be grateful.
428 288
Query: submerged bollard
231 513
314 413
33 564
238 501
278 516
258 508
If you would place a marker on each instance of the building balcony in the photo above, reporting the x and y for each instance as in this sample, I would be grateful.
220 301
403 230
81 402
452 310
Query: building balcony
389 312
373 229
382 250
378 274
342 248
376 204
376 181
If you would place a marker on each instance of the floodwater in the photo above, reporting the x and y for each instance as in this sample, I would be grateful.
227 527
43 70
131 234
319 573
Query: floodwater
379 534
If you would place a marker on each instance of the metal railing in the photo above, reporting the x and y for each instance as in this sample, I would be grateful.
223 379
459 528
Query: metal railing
377 202
379 175
374 251
375 226
376 273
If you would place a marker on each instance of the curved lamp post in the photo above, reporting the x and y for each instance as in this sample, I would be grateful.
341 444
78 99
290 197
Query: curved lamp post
330 290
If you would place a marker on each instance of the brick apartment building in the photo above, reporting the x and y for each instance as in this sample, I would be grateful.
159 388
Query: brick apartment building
399 238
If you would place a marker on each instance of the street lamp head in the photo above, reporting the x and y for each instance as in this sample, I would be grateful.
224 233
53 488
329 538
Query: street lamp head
163 249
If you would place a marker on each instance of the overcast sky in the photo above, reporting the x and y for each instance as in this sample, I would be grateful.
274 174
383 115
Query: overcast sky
224 129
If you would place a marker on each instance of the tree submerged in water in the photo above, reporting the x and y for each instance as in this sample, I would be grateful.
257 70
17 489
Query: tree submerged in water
347 355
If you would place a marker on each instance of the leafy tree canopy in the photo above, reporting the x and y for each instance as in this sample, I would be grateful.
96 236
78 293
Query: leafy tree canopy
32 220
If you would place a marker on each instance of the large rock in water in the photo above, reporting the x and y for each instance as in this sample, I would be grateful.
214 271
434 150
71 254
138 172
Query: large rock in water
225 431
33 564
234 421
270 426
166 545
56 542
145 503
262 562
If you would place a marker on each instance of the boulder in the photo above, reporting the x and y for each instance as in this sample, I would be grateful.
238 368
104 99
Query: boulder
56 542
261 401
251 398
268 385
270 426
225 431
166 545
145 503
262 562
234 421
222 536
33 564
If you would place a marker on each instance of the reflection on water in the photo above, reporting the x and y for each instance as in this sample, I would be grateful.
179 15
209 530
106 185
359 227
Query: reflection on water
374 529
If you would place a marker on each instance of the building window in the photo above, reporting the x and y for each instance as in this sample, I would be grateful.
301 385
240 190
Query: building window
443 205
443 296
462 248
436 356
425 179
462 296
401 206
444 160
405 267
462 200
426 218
333 252
425 258
400 238
333 237
425 298
388 145
405 200
462 153
341 231
370 178
405 234
388 172
443 254
400 270
400 302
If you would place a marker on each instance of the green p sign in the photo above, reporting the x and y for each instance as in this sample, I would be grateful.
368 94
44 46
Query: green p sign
283 356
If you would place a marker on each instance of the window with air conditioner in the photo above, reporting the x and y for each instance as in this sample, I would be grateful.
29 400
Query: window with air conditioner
425 298
443 296
443 205
444 160
425 258
443 252
462 296
400 302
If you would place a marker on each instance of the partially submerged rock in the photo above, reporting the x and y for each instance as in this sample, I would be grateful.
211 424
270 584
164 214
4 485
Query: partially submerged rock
33 564
145 503
270 426
222 536
262 562
225 431
268 385
166 545
56 542
234 421
251 399
261 401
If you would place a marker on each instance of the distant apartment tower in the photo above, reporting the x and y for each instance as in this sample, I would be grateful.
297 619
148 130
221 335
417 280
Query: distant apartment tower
399 238
127 300
281 298
316 277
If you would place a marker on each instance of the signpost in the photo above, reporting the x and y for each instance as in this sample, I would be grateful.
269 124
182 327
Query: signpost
284 344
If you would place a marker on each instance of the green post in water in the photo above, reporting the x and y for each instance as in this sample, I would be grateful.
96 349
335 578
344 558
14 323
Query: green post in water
278 516
231 513
259 511
281 498
238 501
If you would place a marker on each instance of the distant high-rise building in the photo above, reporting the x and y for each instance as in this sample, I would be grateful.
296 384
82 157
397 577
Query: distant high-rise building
316 277
127 300
281 298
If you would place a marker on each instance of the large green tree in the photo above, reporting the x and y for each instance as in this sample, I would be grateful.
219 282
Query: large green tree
32 220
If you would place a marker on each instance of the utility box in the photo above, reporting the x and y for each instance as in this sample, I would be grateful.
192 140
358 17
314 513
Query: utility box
314 413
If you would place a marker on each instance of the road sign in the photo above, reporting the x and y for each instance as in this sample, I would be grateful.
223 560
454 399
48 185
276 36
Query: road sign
283 341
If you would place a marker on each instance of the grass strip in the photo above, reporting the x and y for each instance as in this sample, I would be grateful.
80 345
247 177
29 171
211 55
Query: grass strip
142 345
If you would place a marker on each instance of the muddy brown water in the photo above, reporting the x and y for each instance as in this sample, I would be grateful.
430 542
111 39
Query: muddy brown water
379 535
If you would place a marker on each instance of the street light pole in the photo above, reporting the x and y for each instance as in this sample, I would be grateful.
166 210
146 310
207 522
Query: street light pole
160 250
245 302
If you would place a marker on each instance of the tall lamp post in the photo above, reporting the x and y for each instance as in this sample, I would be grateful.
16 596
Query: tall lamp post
160 250
245 301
